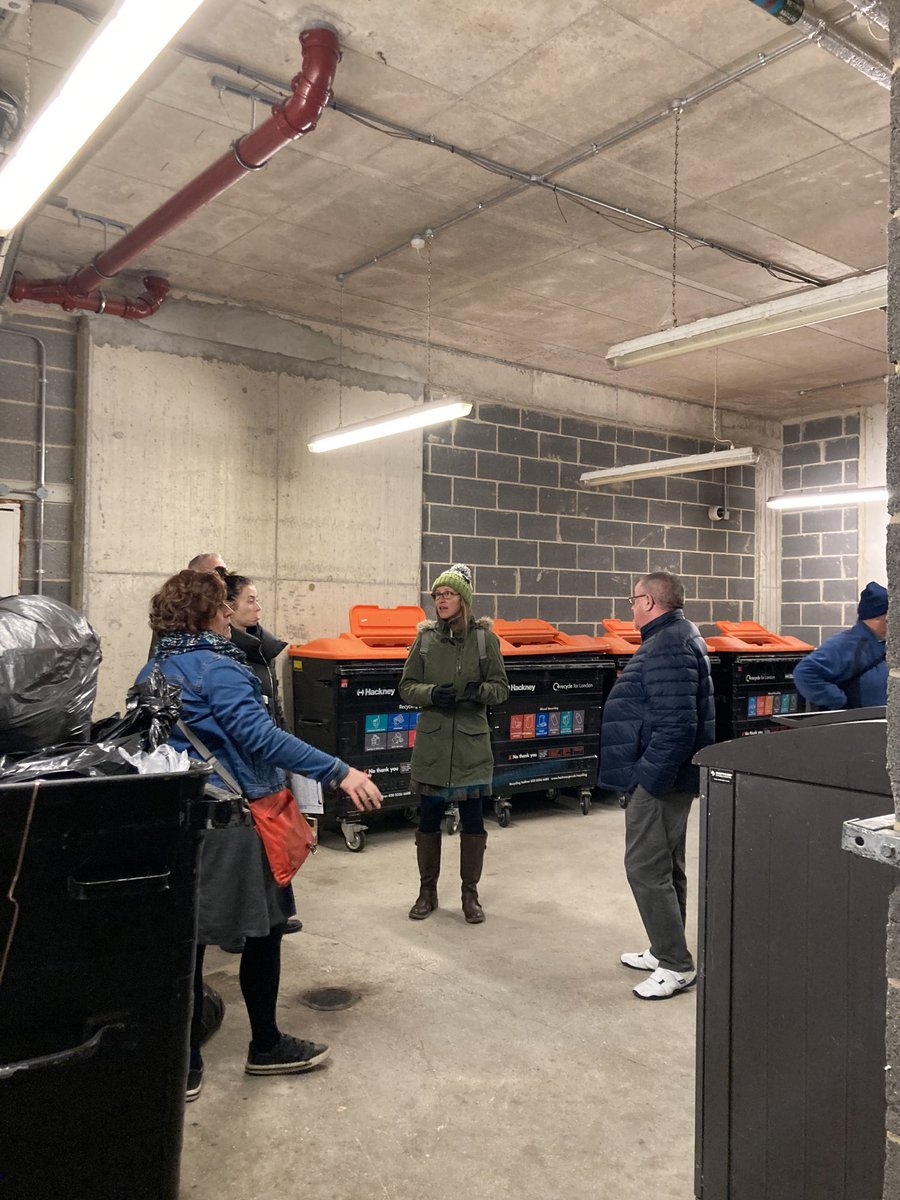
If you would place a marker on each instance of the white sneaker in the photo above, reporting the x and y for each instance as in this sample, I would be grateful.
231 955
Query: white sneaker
640 962
664 983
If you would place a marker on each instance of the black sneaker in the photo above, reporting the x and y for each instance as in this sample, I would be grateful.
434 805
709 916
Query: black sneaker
194 1083
293 925
288 1056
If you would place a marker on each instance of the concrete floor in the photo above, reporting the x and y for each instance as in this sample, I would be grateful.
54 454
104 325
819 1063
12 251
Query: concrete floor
502 1060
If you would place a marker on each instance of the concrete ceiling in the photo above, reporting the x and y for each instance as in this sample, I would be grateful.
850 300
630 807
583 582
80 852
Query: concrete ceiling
789 164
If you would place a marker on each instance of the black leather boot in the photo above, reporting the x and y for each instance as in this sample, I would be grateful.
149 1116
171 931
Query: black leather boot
471 858
428 853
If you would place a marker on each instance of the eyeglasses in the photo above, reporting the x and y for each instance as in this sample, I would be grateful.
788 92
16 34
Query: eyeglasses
229 611
444 595
632 600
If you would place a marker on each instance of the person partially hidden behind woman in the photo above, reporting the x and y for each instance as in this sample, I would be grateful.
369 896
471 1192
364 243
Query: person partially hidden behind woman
454 670
222 707
262 649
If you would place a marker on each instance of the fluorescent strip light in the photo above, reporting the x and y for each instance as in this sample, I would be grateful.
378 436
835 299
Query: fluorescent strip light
125 44
432 413
691 463
860 294
799 500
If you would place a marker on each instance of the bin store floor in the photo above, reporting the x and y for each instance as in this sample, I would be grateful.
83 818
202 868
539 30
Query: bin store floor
507 1059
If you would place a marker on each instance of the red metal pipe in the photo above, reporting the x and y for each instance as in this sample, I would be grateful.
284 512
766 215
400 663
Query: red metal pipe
310 92
57 291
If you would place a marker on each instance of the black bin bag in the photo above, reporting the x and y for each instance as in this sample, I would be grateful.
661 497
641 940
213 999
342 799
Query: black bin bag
49 659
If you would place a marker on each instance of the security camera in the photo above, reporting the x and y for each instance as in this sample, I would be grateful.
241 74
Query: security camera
718 513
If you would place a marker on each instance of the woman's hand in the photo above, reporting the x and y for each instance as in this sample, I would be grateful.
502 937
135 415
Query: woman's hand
443 695
361 790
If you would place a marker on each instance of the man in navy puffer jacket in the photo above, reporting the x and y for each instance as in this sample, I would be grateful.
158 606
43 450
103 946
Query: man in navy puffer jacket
659 713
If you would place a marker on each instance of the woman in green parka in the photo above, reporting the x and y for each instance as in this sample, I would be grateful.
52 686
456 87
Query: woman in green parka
453 672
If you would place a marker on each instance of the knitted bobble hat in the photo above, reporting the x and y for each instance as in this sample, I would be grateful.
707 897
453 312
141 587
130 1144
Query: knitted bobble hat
458 577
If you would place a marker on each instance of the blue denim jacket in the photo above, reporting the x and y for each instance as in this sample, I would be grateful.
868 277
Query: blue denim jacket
222 705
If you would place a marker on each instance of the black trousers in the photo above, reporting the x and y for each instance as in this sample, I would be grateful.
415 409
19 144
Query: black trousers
432 809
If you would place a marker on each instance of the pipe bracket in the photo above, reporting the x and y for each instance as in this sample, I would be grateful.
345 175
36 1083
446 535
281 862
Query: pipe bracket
245 166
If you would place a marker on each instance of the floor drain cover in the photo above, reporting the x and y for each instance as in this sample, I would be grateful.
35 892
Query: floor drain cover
330 998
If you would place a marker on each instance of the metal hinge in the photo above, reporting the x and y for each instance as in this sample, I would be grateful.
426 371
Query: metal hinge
877 838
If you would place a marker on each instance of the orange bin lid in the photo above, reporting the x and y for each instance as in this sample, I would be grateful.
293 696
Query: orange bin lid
388 633
624 634
532 636
750 636
740 636
375 633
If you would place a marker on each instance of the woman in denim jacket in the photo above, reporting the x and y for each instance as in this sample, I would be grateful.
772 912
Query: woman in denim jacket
238 897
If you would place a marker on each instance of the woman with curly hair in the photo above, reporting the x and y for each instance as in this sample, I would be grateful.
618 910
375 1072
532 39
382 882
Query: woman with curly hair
222 707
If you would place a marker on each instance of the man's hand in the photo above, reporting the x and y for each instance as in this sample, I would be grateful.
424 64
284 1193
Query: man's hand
443 695
471 691
361 790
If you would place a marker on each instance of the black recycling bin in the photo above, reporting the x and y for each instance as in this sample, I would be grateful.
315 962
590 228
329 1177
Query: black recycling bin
791 1000
346 703
546 736
95 997
752 672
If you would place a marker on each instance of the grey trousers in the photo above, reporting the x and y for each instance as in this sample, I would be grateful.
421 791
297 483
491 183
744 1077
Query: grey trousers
655 836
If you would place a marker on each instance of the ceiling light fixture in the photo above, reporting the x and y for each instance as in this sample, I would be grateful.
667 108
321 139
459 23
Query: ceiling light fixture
742 456
125 44
860 294
433 413
795 501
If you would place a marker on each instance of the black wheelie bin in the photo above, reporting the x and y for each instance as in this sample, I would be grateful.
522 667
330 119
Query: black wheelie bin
346 703
546 736
97 926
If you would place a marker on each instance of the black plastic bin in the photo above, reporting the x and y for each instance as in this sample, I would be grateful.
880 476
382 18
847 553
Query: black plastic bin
95 1000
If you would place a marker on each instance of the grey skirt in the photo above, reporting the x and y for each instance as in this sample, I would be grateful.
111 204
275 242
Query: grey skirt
238 893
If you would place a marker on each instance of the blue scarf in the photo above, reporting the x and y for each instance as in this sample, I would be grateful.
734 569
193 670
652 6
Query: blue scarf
181 642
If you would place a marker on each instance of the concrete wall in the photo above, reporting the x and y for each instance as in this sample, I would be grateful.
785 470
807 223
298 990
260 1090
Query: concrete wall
820 548
195 430
20 439
186 450
502 493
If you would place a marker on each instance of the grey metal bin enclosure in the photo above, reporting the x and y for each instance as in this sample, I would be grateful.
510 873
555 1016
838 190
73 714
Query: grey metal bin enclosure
791 1003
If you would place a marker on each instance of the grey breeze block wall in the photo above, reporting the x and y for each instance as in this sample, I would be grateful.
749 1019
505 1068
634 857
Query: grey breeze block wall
819 549
502 493
20 435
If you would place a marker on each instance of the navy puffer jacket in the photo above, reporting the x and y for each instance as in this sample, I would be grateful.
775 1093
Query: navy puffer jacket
660 711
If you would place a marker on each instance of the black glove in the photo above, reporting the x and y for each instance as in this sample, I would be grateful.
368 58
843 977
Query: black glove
470 692
443 695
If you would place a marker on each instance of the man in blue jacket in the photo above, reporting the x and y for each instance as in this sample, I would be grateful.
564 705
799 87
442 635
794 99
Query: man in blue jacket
849 669
659 713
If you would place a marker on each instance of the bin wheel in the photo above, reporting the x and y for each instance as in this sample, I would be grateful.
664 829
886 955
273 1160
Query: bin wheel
552 793
356 840
503 815
451 823
585 802
411 814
